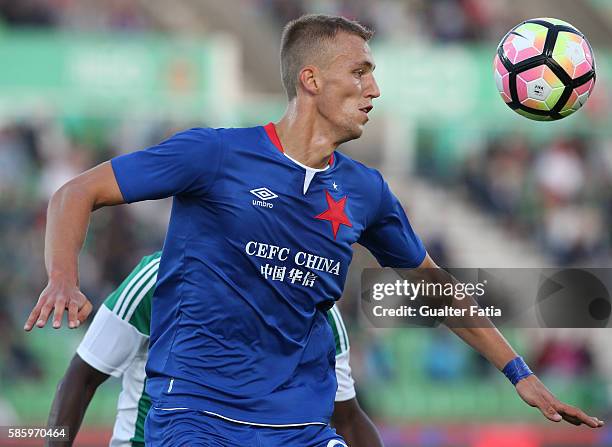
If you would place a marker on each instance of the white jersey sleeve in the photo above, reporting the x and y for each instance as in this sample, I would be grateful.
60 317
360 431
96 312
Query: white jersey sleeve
346 384
111 343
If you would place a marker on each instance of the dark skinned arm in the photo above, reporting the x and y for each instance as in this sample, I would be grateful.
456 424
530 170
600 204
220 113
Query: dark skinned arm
351 422
73 394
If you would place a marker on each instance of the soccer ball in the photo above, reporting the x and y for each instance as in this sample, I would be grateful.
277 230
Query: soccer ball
544 69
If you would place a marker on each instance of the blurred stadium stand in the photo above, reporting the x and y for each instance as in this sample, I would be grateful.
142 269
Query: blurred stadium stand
485 188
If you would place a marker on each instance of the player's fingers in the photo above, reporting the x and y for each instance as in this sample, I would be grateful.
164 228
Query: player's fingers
549 412
576 416
572 420
73 311
84 311
45 311
60 306
29 324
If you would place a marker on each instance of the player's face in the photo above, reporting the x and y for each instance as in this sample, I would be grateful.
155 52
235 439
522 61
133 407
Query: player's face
348 86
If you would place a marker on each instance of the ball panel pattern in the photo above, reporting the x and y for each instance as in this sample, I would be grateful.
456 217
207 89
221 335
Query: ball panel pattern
578 98
524 42
502 79
569 52
533 116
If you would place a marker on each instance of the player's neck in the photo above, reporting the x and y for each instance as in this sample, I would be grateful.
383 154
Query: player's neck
304 139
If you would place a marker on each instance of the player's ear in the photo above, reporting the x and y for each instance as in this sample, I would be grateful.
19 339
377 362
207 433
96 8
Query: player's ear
310 79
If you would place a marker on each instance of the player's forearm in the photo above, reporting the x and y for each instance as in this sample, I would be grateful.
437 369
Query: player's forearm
354 425
478 332
69 406
361 433
489 342
72 397
67 221
68 218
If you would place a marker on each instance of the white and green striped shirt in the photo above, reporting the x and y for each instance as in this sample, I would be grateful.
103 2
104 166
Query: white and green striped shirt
117 341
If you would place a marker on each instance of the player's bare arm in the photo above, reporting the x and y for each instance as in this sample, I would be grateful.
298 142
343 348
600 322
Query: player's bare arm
74 392
354 425
494 347
67 221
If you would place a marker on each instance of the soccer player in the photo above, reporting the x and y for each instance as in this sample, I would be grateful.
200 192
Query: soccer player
116 345
257 250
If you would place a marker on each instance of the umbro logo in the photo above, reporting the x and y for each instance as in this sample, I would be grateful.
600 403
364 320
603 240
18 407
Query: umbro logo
264 194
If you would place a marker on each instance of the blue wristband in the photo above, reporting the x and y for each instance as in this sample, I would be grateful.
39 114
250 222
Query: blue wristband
516 370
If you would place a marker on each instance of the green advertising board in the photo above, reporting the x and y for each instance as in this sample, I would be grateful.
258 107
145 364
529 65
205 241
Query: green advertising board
87 74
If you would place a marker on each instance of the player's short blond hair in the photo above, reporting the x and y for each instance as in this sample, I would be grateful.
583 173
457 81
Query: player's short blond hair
305 38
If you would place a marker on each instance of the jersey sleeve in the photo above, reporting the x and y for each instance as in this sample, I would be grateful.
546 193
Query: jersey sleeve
122 325
341 339
131 301
110 344
346 384
185 164
390 237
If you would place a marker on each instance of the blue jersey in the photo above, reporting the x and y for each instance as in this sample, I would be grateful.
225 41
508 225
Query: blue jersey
257 249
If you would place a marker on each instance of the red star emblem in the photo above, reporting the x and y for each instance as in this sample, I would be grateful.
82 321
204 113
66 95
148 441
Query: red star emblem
335 213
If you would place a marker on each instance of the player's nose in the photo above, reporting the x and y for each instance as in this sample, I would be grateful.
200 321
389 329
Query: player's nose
373 91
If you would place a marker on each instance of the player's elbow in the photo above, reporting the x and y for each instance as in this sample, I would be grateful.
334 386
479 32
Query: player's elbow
80 376
71 380
71 193
345 414
93 189
342 427
67 385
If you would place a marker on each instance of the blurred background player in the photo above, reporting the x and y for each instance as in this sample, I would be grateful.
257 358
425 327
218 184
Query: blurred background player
116 345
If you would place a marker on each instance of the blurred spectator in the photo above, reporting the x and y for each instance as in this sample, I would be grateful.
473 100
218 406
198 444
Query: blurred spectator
445 359
26 12
556 195
17 362
380 364
75 14
434 20
564 358
560 172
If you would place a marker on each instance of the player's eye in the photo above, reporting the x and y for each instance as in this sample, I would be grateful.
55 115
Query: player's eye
359 72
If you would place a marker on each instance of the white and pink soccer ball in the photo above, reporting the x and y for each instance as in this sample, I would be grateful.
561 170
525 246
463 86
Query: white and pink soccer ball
544 69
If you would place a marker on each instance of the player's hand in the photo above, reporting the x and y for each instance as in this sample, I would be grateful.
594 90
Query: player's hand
533 391
56 298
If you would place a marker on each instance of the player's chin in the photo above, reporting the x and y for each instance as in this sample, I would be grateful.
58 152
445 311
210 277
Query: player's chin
351 131
357 130
352 134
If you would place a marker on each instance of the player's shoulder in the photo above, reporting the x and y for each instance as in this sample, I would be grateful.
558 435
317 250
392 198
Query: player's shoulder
152 257
350 164
363 175
240 134
198 134
231 139
220 137
224 138
207 141
148 262
131 301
